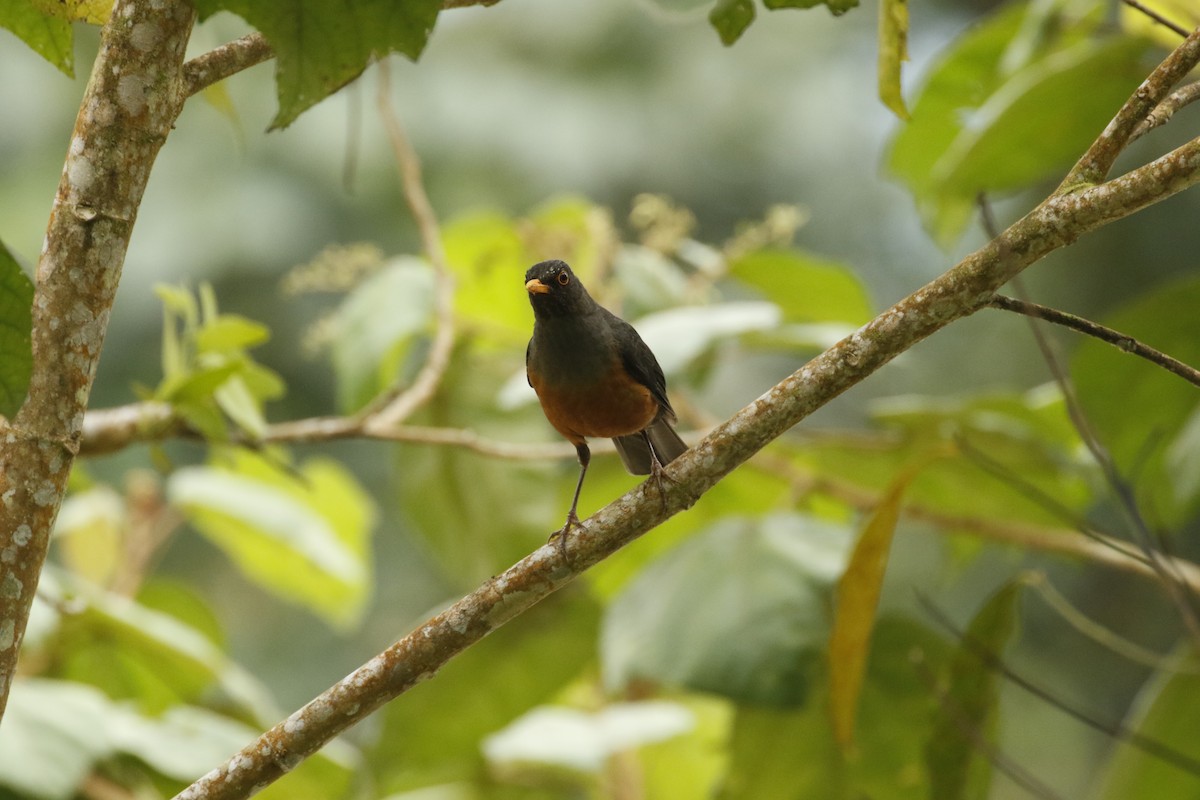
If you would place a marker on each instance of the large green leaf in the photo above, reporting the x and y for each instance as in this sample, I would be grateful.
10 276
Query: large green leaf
50 36
185 742
144 655
376 326
791 755
805 287
321 45
1021 134
1143 414
53 732
304 535
739 610
16 321
957 768
1012 101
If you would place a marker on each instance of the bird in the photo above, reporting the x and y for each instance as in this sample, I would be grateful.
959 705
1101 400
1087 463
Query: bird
596 378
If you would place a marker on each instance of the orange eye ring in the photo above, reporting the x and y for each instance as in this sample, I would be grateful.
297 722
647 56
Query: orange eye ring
562 278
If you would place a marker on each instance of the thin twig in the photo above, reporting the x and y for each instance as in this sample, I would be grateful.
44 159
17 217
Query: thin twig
1130 651
1159 18
222 62
1105 334
1163 112
1119 731
392 409
1094 165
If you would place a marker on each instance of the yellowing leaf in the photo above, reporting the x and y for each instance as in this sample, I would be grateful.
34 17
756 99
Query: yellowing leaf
893 49
857 598
93 12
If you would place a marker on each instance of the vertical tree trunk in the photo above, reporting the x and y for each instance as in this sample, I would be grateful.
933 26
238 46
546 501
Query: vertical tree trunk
132 99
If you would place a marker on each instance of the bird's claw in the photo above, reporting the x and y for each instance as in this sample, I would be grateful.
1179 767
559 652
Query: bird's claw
560 536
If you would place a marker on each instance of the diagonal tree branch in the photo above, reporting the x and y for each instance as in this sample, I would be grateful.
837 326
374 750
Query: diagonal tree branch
959 292
132 99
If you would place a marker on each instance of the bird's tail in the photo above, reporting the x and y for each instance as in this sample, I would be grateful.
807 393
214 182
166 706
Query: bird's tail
635 454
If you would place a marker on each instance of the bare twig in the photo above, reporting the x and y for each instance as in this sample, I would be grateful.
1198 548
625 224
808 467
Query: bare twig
391 410
1159 18
222 62
1163 112
1105 334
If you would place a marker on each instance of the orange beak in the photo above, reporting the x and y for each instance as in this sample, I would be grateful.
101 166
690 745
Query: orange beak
537 287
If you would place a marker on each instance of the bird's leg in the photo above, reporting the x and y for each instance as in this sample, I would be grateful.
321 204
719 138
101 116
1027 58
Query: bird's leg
585 457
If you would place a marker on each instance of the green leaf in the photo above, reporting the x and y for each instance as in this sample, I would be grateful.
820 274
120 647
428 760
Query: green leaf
990 115
956 765
147 656
16 324
303 535
1021 134
1027 440
239 403
434 735
376 326
805 287
1165 711
321 45
50 36
836 7
893 51
679 336
584 740
53 733
1141 412
186 741
730 18
230 332
738 609
487 257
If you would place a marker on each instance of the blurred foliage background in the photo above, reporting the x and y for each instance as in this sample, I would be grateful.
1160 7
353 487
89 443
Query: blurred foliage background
748 205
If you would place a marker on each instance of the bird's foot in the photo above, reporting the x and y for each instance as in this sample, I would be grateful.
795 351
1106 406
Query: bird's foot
658 474
560 536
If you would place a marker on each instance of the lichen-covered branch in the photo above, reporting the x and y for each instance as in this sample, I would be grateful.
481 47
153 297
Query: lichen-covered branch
134 95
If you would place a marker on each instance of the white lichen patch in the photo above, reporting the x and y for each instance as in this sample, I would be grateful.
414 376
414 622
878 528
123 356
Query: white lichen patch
80 173
145 36
131 94
11 586
8 495
294 724
46 494
8 634
22 534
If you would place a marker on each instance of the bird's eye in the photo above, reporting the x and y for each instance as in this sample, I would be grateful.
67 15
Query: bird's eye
563 279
